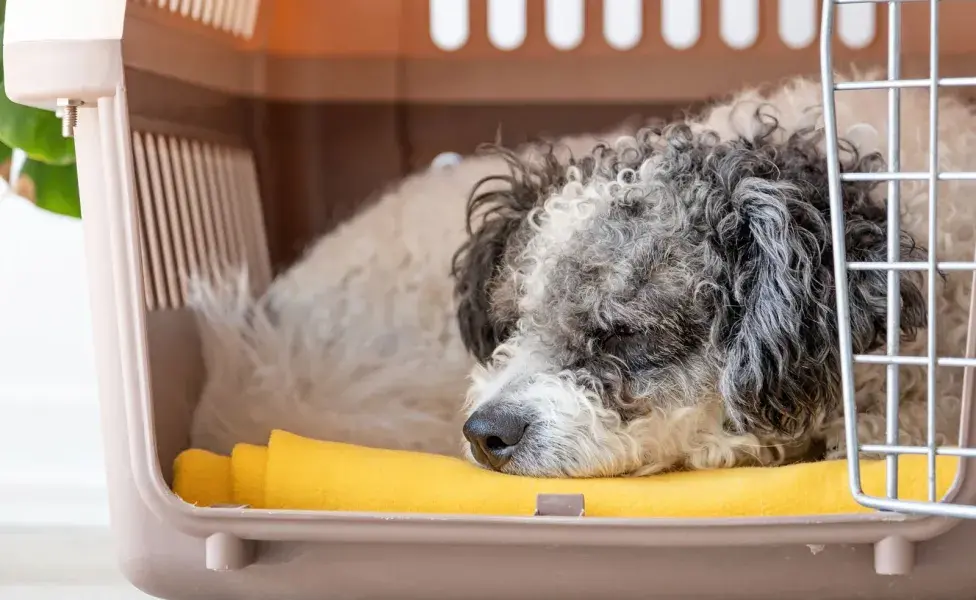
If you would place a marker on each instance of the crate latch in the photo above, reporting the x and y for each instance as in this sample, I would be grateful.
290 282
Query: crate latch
560 505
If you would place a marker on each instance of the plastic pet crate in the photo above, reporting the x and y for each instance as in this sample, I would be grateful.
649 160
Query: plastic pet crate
202 128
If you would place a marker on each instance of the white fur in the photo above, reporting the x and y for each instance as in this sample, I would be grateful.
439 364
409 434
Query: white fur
365 347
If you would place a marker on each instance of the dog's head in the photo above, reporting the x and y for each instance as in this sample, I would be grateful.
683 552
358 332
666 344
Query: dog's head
669 288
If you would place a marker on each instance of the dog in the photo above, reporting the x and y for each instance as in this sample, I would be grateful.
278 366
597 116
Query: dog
649 299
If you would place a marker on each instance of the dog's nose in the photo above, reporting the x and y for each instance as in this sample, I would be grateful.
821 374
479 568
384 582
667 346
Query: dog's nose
494 433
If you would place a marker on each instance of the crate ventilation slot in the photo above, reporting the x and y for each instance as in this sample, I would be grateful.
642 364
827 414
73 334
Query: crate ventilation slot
236 17
199 212
565 22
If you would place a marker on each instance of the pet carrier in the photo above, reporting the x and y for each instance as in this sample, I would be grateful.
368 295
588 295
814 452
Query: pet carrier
201 129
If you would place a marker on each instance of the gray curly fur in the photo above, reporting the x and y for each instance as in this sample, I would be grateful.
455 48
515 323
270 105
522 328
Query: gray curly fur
718 265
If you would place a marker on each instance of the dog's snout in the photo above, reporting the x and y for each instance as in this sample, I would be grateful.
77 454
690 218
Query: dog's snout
494 434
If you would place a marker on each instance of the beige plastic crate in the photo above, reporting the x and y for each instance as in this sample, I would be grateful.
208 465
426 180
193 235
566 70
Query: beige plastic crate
201 141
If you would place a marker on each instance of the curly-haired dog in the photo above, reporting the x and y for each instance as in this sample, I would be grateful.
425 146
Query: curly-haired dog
664 300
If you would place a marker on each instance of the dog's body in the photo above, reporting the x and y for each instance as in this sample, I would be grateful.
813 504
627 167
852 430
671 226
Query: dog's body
734 360
364 345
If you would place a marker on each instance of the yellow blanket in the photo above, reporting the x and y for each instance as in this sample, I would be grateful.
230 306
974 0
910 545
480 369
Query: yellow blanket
298 473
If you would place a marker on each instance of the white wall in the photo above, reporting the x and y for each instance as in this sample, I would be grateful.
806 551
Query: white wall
54 541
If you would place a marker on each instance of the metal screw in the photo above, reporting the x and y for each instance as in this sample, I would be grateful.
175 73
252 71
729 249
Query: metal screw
69 115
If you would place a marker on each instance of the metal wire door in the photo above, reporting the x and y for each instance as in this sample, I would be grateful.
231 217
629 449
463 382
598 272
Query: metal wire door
891 359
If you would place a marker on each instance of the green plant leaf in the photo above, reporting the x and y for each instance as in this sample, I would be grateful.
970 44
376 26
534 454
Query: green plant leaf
55 187
37 132
3 19
6 162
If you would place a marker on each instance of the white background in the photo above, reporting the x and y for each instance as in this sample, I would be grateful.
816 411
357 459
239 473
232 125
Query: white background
54 541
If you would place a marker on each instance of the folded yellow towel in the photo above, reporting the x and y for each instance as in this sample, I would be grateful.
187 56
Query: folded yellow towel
293 472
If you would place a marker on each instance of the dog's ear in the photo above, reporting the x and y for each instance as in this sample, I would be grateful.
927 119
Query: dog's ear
483 267
782 369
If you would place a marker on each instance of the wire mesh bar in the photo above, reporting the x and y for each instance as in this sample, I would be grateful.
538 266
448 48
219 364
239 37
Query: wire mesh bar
931 381
955 511
837 230
910 266
884 84
917 450
894 245
917 361
907 176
